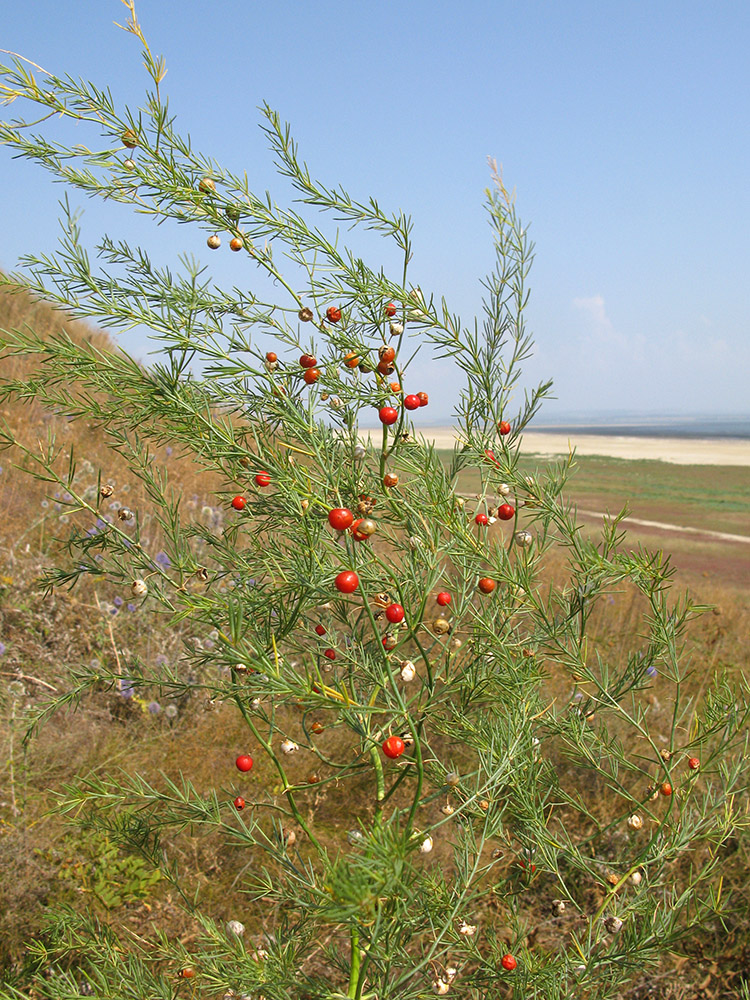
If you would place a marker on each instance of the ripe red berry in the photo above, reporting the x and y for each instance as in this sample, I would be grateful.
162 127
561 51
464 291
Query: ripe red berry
390 309
244 762
394 613
346 582
388 415
393 747
693 763
387 354
504 427
412 402
333 314
239 802
262 479
351 360
666 789
308 361
423 398
390 479
272 357
311 375
320 629
239 503
330 654
486 585
443 598
482 519
508 963
340 518
505 511
188 973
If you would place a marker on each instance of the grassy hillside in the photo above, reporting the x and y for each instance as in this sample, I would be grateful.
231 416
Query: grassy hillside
47 861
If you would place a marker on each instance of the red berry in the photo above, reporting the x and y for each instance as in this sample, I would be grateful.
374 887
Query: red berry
346 582
504 427
340 518
666 789
388 415
489 454
311 375
236 244
351 360
393 747
333 314
320 629
262 479
423 398
508 963
412 402
387 354
272 357
505 511
239 503
239 802
390 309
244 762
443 598
693 763
330 654
308 361
394 613
486 585
390 479
482 519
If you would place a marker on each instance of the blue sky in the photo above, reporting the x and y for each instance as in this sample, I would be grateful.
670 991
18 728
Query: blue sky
622 127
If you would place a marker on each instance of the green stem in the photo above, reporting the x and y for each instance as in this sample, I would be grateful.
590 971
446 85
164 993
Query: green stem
353 963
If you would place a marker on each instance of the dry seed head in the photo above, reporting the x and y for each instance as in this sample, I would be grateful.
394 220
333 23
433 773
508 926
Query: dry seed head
635 822
106 491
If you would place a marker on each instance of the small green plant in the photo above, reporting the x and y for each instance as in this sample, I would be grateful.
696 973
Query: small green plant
390 644
92 864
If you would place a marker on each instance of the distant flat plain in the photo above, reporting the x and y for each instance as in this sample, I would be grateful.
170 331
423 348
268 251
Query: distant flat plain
681 482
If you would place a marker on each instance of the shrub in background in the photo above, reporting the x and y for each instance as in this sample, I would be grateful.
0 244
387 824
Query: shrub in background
388 642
